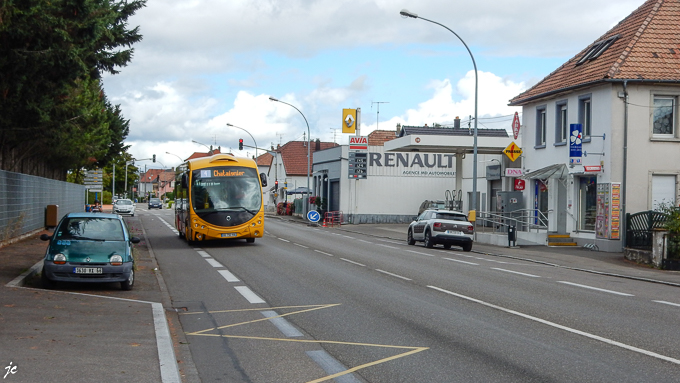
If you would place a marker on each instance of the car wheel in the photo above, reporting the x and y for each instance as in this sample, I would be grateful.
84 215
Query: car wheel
467 246
447 246
250 240
409 238
46 282
130 282
428 240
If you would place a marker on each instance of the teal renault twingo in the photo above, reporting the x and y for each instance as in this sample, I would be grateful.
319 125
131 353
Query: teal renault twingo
89 247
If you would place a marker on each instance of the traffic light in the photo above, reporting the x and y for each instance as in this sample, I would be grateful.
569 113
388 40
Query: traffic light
154 158
240 144
276 185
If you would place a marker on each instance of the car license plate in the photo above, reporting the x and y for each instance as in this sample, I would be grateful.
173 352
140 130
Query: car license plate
454 232
87 270
229 235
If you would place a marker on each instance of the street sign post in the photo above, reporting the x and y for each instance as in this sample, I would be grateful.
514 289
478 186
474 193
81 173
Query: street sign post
313 216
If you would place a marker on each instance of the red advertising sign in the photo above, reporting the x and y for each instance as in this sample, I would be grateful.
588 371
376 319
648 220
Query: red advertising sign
592 168
519 184
515 125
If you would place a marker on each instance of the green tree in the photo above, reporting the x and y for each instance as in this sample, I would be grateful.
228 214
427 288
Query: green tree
53 111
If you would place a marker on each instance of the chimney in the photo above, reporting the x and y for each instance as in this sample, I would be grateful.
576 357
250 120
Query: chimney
317 147
456 123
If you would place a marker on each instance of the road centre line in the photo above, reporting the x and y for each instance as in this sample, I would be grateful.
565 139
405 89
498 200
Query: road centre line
459 261
388 246
365 241
324 253
213 262
561 327
668 303
596 288
228 275
394 275
303 246
516 272
203 254
420 252
284 240
356 263
249 294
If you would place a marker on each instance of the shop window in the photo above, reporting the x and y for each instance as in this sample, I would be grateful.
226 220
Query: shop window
587 198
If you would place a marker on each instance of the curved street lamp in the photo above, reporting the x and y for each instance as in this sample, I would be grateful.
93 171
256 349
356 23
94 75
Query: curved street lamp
406 13
309 156
251 136
210 150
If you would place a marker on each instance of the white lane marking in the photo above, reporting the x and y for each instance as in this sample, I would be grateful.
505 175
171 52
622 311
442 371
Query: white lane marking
394 275
331 366
203 254
356 263
420 252
284 240
668 303
303 246
387 246
249 294
213 262
166 351
197 248
365 241
282 324
596 288
324 253
516 272
228 275
561 327
459 261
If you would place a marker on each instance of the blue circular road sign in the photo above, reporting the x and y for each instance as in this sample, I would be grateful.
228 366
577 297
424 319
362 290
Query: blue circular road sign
313 216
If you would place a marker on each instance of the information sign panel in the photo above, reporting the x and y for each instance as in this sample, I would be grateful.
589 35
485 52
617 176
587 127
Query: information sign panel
358 165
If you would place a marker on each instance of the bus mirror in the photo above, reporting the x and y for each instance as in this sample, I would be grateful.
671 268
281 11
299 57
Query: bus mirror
263 178
185 183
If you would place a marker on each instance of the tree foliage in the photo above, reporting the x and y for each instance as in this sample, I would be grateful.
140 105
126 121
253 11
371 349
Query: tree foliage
52 105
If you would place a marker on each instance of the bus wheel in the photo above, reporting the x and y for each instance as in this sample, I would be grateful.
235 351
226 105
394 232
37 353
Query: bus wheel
250 240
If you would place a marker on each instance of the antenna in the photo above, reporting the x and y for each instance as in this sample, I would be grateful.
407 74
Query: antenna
377 118
335 134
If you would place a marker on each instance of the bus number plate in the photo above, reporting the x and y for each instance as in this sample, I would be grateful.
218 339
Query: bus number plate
225 235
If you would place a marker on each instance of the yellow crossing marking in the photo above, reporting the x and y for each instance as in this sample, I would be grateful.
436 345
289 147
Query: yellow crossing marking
411 350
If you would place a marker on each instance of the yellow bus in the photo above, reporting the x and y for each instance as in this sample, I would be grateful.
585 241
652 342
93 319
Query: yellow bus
219 197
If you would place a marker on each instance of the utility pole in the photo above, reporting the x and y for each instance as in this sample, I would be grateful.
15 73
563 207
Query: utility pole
377 118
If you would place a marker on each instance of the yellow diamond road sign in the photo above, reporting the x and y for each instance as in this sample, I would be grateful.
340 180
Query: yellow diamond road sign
513 151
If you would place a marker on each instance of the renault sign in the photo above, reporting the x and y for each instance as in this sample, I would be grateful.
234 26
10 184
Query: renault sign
349 120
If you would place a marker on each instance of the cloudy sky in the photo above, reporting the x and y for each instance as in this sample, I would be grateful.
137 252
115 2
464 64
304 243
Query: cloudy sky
205 63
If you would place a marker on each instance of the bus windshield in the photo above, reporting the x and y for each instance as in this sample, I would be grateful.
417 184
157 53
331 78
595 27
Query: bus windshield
226 189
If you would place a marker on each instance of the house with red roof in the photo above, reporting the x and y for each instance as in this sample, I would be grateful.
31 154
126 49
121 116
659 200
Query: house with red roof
601 133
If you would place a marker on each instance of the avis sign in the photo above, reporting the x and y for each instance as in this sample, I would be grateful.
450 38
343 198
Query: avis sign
358 143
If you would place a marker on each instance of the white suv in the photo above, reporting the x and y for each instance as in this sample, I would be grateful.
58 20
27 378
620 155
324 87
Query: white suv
444 227
124 206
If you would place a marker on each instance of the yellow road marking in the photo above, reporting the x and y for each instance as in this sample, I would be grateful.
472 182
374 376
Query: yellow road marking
412 350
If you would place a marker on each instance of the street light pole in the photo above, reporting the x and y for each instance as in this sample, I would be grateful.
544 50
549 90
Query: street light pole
209 148
251 136
309 154
406 13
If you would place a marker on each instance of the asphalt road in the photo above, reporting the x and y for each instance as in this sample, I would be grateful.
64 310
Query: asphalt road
305 304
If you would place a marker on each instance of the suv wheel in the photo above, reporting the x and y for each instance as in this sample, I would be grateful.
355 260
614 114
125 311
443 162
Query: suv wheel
409 238
428 239
467 246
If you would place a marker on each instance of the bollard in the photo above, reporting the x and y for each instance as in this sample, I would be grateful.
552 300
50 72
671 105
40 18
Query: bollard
512 236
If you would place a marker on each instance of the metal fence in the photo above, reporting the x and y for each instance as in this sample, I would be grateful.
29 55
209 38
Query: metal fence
639 228
24 199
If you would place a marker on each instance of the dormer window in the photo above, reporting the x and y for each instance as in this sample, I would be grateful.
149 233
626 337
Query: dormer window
597 49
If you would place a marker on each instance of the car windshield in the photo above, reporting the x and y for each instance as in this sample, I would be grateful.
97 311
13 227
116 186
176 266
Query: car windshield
452 217
124 202
154 200
106 229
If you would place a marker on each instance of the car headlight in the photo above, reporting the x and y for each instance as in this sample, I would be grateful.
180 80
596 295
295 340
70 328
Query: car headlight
60 259
116 260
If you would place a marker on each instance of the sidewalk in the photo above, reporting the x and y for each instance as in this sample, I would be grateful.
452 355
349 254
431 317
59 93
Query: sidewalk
80 332
576 258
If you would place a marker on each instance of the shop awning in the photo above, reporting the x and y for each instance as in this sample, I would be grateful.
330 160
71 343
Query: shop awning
552 171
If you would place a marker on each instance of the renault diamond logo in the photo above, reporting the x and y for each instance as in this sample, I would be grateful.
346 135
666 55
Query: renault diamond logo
88 259
228 218
349 121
